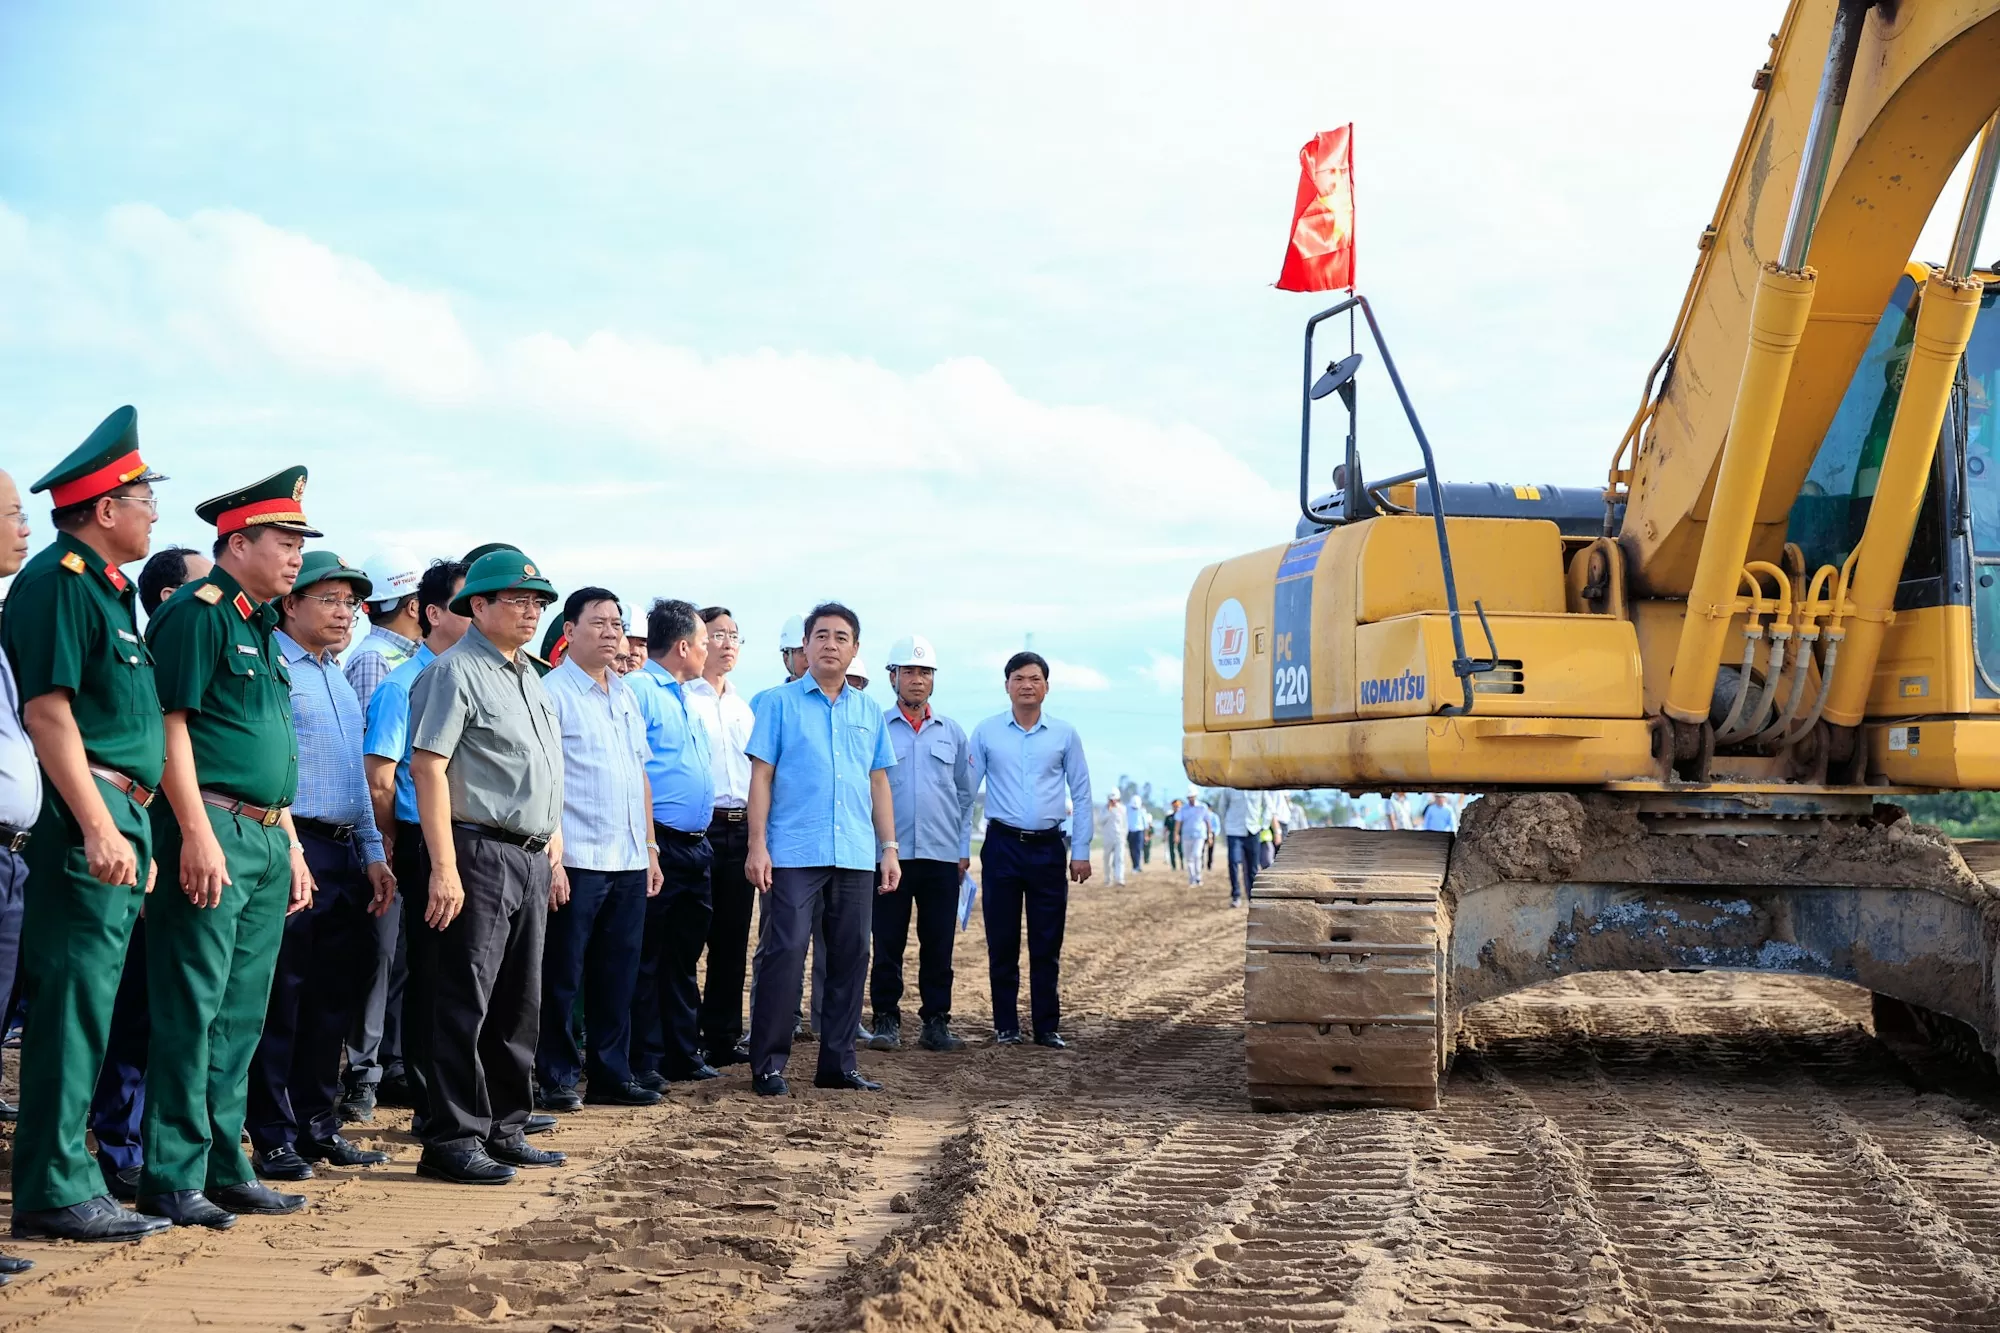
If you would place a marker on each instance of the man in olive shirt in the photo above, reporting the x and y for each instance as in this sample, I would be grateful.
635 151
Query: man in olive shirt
88 703
234 866
486 760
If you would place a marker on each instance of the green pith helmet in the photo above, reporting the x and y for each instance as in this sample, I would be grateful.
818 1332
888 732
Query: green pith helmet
319 566
275 502
499 571
472 557
101 464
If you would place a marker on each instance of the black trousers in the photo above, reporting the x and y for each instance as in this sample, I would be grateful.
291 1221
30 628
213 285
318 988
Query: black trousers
1031 877
728 933
789 906
412 864
118 1106
1135 843
592 946
325 963
666 1001
1173 847
375 1043
472 1009
932 888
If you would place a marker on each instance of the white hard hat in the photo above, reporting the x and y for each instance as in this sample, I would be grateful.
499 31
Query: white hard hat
793 635
394 575
858 668
913 650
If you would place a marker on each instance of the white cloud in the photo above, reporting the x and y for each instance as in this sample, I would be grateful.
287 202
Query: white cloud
1163 670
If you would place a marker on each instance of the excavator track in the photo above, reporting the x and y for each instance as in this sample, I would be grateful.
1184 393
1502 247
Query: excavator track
1343 981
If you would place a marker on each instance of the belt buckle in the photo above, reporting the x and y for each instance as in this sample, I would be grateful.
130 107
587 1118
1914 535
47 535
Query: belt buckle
134 790
19 840
536 844
270 819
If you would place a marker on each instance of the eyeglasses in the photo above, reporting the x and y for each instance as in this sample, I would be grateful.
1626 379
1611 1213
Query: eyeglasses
724 636
17 516
152 504
338 603
521 602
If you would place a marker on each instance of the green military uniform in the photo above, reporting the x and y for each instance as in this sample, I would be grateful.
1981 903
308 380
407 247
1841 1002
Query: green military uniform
210 968
70 626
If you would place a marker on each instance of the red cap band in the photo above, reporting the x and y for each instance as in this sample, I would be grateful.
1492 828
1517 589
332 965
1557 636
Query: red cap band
93 484
264 511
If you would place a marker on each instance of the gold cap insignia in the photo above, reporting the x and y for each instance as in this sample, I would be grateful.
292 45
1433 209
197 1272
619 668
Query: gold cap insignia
209 593
299 489
73 562
529 570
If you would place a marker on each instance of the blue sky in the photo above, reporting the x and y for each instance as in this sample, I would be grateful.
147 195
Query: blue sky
961 314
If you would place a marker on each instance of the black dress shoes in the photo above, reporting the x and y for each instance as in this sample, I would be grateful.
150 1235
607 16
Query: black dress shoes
187 1208
122 1182
251 1197
770 1085
851 1081
699 1074
93 1219
654 1080
738 1054
337 1151
463 1166
9 1112
9 1265
1007 1037
604 1092
1052 1040
282 1164
516 1152
538 1124
557 1099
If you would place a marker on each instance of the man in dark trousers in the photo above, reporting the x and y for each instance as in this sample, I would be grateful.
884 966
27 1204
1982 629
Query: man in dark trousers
487 765
327 958
729 719
821 820
1035 773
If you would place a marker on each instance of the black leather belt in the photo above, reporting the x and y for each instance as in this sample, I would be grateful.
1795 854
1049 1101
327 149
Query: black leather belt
14 839
324 828
675 835
528 841
730 814
1005 830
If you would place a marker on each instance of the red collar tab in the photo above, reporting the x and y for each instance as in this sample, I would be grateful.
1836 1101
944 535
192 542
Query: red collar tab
115 577
243 606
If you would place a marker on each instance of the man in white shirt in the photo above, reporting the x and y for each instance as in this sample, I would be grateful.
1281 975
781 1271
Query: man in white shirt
611 866
726 714
1111 828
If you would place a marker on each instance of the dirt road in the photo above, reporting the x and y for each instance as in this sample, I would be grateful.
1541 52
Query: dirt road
1654 1153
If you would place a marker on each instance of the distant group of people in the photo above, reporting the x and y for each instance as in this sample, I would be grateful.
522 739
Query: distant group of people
393 878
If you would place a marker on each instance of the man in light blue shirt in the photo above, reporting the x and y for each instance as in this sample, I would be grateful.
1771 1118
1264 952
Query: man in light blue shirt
328 947
1242 816
666 1001
597 915
932 789
820 811
375 1055
1438 816
1035 774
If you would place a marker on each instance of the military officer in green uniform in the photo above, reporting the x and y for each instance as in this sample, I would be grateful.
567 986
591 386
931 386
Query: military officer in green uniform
88 704
232 866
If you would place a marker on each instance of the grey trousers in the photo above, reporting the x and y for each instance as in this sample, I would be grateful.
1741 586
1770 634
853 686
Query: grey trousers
844 901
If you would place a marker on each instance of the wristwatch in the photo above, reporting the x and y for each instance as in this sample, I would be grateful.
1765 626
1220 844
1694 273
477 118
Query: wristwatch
897 848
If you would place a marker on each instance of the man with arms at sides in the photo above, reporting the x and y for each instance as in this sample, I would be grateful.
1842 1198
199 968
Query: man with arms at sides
820 818
84 684
610 865
931 787
729 719
393 626
232 864
1242 816
666 1004
376 1053
20 783
327 956
1111 827
1194 825
1138 831
487 764
1028 760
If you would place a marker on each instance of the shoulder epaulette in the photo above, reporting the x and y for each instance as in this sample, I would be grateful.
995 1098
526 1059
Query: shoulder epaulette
72 562
209 593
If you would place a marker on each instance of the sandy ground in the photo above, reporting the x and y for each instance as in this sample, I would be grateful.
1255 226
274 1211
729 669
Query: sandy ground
1671 1152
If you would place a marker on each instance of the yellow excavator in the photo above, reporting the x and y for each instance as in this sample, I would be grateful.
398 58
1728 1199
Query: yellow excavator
1688 696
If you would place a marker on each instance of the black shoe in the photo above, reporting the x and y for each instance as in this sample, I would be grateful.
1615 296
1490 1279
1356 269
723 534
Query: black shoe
9 1112
558 1099
281 1164
888 1033
516 1152
851 1081
93 1219
122 1183
770 1085
394 1090
538 1124
1052 1040
804 1032
739 1054
337 1151
653 1079
251 1197
358 1106
184 1208
938 1036
699 1074
1007 1037
9 1264
463 1166
605 1092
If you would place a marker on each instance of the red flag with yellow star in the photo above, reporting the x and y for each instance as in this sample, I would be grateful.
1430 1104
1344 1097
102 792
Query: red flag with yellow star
1321 255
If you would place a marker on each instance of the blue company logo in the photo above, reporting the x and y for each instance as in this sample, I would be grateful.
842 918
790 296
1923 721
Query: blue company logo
1403 689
